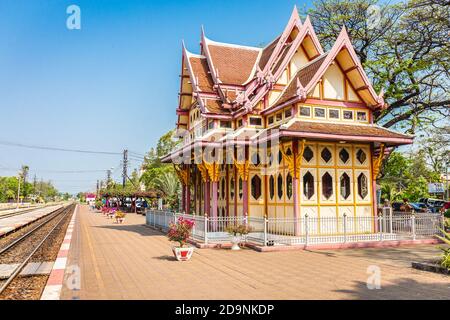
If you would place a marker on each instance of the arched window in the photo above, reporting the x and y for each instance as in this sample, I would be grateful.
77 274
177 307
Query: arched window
308 154
280 185
327 185
240 188
289 186
308 185
232 188
363 190
343 155
345 185
326 155
280 157
256 187
271 186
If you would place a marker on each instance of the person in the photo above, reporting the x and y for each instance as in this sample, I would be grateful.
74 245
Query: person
405 207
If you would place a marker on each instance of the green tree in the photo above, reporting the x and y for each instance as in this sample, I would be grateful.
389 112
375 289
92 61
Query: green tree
159 176
406 53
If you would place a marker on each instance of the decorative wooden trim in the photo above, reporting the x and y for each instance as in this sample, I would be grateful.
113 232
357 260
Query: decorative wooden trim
203 171
376 162
182 173
294 163
213 171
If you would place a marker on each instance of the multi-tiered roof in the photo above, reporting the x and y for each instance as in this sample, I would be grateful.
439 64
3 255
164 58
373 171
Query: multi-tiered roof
227 81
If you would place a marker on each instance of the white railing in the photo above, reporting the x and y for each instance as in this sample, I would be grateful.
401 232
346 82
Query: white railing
309 230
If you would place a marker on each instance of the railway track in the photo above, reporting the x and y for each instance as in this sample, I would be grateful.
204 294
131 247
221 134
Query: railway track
39 244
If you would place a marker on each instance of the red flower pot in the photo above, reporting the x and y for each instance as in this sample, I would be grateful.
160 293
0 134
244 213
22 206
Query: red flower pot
183 254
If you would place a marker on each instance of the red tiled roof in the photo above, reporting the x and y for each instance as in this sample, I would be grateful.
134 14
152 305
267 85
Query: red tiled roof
215 106
267 53
234 64
304 75
345 129
200 70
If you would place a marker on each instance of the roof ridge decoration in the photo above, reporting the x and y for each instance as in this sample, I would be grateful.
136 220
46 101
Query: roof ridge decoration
194 82
343 41
268 77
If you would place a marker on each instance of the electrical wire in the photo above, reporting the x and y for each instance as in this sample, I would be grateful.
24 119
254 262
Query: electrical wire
22 145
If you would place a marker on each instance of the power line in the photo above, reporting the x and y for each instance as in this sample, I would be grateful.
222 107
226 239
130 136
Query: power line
21 145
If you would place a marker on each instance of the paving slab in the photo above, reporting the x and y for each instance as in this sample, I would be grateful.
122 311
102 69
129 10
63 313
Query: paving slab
132 261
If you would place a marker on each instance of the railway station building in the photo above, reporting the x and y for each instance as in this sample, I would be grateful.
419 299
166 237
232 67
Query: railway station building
280 131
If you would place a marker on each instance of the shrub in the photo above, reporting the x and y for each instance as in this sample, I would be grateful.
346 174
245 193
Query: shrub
180 231
445 258
120 214
447 213
238 229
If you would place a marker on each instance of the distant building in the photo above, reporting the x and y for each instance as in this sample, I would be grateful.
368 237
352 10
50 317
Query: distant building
90 198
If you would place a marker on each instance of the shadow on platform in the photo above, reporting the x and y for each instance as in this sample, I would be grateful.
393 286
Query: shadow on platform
397 291
140 229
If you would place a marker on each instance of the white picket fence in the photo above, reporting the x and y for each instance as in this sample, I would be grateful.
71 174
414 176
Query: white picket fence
308 230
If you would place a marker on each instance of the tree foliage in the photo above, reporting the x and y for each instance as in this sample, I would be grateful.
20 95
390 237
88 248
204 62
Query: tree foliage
404 49
159 176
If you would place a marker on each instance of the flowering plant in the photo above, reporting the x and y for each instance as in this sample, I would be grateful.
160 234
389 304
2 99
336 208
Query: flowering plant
180 231
120 214
241 229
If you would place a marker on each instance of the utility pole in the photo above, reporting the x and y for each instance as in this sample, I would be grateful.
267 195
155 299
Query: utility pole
18 191
97 189
108 177
125 167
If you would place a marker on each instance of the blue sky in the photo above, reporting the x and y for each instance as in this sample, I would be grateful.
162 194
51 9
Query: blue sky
111 85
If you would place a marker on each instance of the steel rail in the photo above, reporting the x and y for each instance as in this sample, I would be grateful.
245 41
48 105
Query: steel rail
47 218
20 267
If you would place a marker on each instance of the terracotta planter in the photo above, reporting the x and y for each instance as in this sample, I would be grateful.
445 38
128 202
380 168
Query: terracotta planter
235 240
183 254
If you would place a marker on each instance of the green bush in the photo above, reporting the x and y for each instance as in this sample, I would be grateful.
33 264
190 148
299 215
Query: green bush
445 258
447 213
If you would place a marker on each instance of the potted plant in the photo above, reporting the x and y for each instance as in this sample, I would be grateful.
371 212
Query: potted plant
120 216
237 231
180 232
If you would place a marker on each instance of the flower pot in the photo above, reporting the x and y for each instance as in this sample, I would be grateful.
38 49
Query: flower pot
183 254
235 240
120 220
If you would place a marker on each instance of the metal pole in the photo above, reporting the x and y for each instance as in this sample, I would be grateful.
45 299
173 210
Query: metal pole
306 230
266 221
345 227
206 229
390 220
413 225
379 228
125 167
18 192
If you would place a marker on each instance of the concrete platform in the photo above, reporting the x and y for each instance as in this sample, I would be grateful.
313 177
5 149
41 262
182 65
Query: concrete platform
130 261
32 268
11 223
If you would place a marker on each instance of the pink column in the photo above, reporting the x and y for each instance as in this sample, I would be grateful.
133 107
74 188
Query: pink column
183 197
227 184
295 189
188 194
245 197
375 207
206 198
214 204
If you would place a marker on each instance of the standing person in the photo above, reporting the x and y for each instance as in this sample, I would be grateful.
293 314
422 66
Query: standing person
405 207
